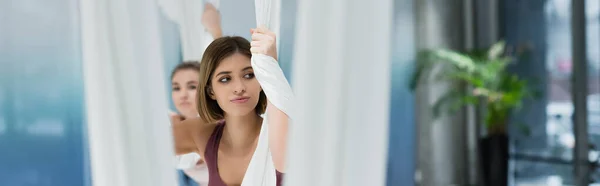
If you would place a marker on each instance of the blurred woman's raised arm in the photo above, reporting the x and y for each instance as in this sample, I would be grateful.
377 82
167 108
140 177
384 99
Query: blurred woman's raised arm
190 135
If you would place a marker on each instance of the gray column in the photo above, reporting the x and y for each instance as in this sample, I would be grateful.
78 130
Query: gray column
580 91
441 156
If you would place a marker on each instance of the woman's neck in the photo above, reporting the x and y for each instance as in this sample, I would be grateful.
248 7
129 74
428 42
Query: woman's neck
189 116
240 132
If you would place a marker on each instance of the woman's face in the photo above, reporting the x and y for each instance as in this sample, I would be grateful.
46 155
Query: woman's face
234 87
183 86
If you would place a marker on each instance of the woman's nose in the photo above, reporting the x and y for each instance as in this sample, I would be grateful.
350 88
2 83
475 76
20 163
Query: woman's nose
240 87
184 94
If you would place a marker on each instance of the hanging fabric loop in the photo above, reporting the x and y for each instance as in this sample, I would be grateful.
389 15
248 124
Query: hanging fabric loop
261 170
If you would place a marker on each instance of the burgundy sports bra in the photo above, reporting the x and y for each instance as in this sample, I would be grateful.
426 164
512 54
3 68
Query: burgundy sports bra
211 155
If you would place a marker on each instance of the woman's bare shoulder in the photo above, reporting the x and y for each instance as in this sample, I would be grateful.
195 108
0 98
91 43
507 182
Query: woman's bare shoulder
198 123
200 131
200 127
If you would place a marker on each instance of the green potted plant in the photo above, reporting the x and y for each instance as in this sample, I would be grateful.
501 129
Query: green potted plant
489 86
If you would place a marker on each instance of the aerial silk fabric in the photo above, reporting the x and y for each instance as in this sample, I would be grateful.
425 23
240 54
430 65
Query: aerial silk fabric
125 102
187 14
342 81
261 170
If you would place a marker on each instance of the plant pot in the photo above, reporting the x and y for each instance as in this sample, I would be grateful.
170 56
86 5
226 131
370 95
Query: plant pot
493 156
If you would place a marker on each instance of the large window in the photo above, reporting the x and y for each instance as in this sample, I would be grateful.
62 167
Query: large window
549 161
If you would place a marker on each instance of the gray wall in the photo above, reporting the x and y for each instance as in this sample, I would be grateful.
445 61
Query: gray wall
441 158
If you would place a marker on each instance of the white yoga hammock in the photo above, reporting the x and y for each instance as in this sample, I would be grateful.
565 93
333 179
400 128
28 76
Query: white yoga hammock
341 77
188 15
126 104
261 170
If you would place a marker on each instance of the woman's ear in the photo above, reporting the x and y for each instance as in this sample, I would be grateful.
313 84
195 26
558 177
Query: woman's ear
211 93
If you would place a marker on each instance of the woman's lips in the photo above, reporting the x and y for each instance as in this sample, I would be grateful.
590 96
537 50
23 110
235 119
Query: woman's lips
240 100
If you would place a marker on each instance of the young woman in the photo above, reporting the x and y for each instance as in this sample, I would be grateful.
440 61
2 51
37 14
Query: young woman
230 103
184 82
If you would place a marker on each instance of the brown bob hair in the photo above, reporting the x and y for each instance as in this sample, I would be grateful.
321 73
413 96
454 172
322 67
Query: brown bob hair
218 50
186 65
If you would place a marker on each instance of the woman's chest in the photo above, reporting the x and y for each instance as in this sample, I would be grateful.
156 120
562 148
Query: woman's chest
232 168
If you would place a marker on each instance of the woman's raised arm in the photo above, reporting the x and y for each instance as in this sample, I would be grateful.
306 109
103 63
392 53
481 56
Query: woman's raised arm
190 135
277 89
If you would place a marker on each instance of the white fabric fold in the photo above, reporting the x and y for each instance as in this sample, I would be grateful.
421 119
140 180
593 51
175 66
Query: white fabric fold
188 15
268 14
261 170
125 97
273 81
187 161
189 164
